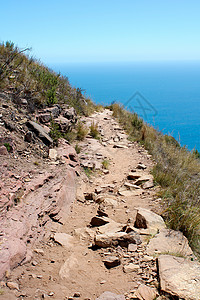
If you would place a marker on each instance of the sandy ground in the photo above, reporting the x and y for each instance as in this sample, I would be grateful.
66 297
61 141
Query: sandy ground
85 272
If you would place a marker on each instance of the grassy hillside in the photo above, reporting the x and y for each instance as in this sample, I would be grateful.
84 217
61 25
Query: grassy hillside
27 78
177 171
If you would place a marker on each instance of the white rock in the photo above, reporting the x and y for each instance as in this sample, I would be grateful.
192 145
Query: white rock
130 268
179 277
66 268
149 220
53 154
145 293
64 239
169 241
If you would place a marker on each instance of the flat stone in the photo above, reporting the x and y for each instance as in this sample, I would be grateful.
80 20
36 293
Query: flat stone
144 292
66 268
39 130
64 239
148 184
141 166
130 268
110 227
120 146
179 277
132 247
143 179
117 238
169 241
134 175
110 296
84 234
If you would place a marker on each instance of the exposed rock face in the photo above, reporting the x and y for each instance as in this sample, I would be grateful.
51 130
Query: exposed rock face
169 241
13 252
29 206
39 130
179 277
149 220
110 296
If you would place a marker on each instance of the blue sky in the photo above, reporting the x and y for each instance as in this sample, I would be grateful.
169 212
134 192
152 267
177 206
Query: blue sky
108 30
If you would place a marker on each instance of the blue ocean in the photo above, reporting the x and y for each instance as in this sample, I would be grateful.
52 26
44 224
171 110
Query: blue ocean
165 94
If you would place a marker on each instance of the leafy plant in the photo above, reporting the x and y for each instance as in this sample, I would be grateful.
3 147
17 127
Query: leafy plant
8 147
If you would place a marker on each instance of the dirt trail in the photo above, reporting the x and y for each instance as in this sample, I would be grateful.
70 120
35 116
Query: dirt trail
59 271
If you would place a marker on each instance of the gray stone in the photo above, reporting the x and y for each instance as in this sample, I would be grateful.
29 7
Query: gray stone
39 130
179 277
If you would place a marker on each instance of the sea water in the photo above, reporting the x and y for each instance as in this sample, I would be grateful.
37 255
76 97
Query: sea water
165 94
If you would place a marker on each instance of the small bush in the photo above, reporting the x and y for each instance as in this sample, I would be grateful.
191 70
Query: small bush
81 131
105 164
8 147
77 148
94 131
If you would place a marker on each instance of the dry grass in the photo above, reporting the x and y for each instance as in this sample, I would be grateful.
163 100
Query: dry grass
177 171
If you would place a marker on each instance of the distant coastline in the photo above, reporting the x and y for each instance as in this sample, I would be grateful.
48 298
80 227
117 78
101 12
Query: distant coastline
172 88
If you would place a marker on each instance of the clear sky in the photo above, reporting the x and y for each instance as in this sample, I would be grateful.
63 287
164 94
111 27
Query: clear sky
62 31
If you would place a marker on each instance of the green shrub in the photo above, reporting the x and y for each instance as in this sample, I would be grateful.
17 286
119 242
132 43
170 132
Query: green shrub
8 147
94 131
105 164
81 131
177 171
77 148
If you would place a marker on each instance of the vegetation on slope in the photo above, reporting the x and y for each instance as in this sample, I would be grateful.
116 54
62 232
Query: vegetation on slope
27 78
176 170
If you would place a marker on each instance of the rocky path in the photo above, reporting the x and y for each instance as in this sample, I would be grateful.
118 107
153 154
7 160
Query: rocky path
107 244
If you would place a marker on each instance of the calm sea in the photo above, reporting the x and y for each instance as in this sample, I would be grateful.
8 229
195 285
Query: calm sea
165 94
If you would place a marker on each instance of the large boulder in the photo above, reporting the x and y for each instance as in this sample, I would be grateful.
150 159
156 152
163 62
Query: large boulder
39 130
147 219
179 277
169 241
